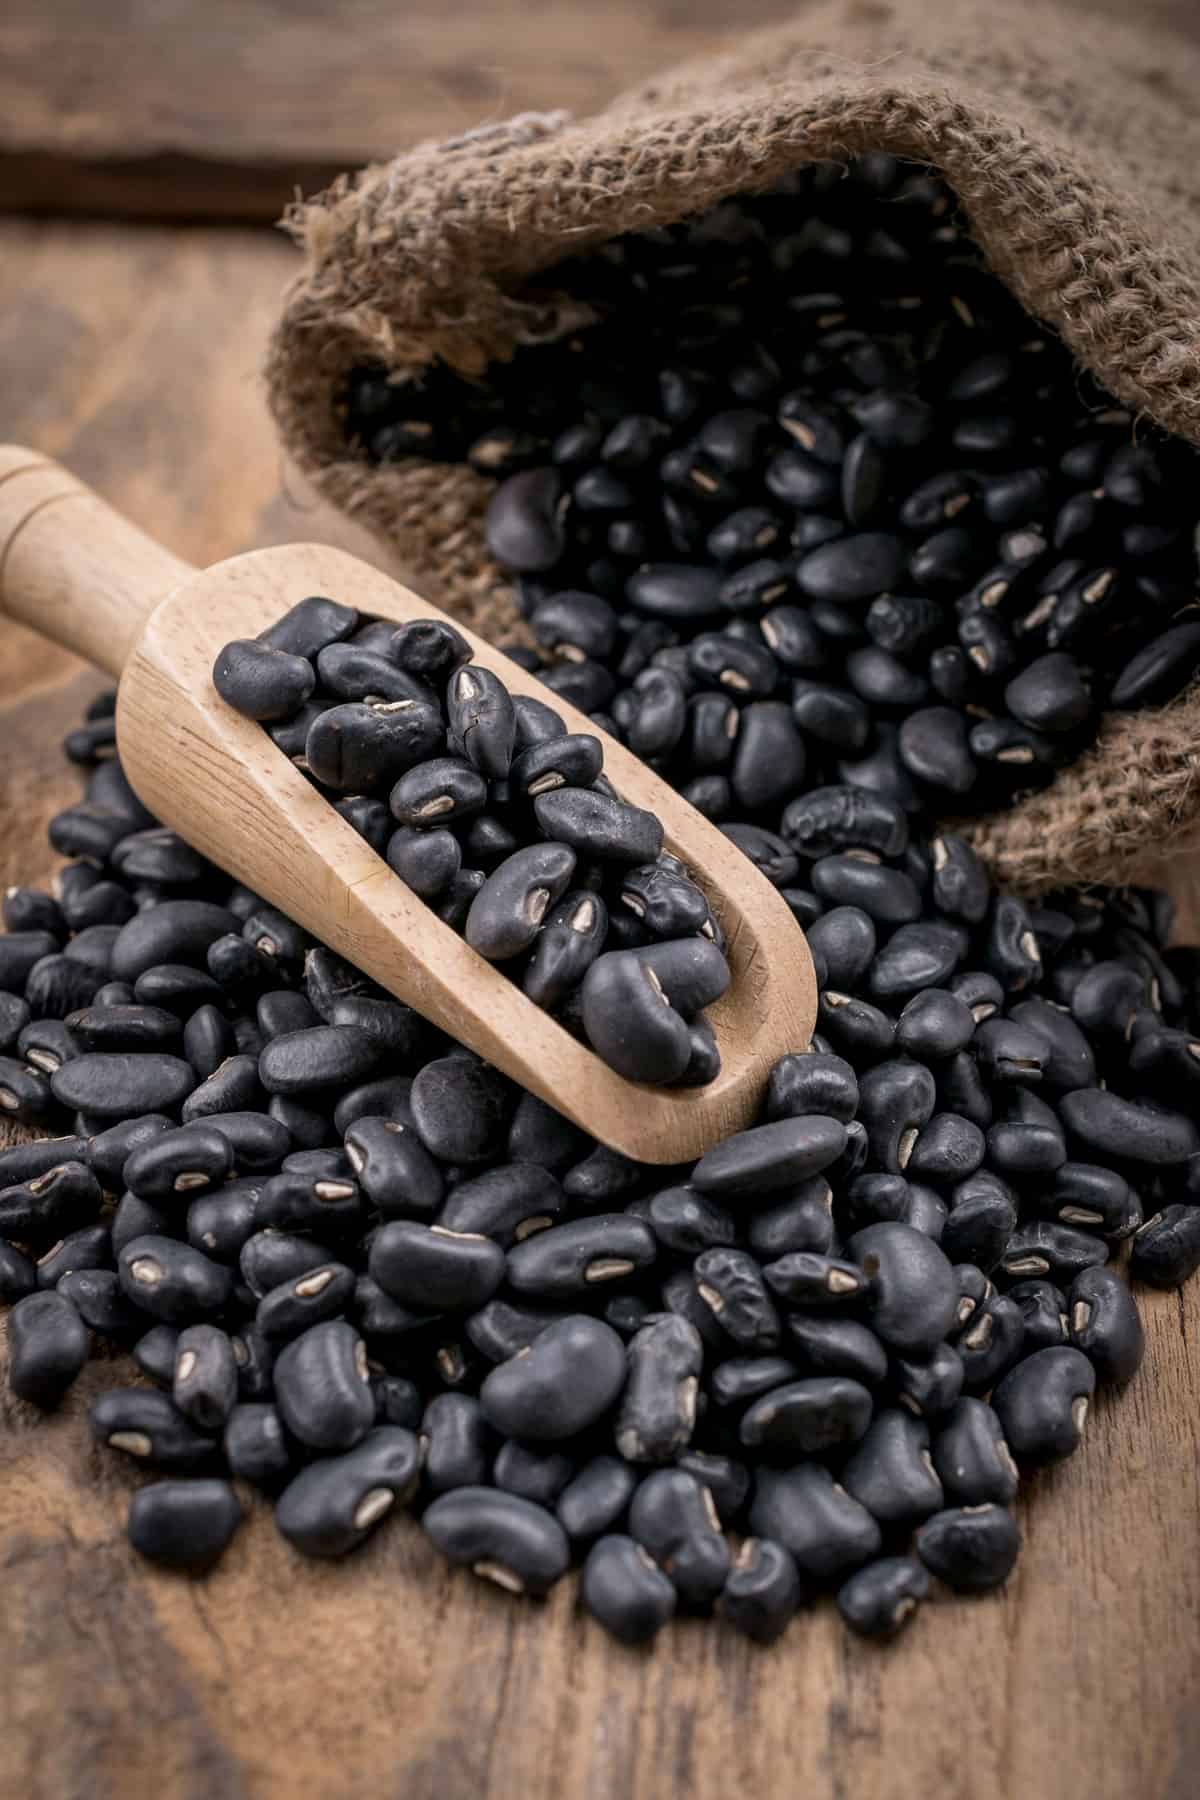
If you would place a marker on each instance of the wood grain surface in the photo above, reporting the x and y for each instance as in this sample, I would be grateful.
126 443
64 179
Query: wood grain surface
132 353
223 110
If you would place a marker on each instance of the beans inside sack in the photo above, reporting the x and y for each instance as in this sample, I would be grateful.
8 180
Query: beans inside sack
502 820
357 1270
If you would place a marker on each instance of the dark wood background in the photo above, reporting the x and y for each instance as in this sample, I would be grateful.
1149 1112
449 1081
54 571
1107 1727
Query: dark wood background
131 348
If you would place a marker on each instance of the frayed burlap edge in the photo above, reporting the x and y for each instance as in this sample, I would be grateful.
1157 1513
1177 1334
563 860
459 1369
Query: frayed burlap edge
1073 151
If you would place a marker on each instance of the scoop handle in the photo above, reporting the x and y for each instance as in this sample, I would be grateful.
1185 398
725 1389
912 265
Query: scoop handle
71 568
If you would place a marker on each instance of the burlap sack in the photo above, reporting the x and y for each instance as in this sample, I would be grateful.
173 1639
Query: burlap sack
1072 141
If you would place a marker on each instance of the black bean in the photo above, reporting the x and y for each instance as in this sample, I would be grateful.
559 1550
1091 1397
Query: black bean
524 527
826 1530
880 1599
501 1537
1128 1131
1105 1325
47 1348
1042 1404
595 1499
762 1592
261 682
330 1507
1159 670
598 825
306 628
322 1389
672 1516
435 1268
730 1285
172 1281
808 1417
154 1354
1043 1247
769 1157
255 1445
184 1524
205 1381
852 569
507 913
563 1382
630 1021
145 1424
538 1475
461 1109
46 1206
991 1342
569 1260
1166 1249
183 1161
913 1294
658 1406
830 820
970 1548
258 1142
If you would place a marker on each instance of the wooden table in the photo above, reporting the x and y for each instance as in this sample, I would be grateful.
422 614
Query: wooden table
132 351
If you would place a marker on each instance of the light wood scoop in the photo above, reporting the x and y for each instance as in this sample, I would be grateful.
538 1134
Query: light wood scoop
74 570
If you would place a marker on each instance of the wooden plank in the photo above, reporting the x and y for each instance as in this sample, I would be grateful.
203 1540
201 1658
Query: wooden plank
386 1675
224 108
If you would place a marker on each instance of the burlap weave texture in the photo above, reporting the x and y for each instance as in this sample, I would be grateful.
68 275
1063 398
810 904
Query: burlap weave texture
1073 144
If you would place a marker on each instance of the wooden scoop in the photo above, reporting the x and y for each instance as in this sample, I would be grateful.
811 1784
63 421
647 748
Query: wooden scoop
74 570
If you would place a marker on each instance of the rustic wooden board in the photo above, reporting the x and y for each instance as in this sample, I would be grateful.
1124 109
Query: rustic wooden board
223 108
386 1675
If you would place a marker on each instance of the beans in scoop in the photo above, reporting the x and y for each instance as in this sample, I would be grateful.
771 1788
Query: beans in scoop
502 821
812 501
290 1237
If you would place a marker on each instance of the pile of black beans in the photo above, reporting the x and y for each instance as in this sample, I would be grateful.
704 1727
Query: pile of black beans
499 818
815 502
357 1269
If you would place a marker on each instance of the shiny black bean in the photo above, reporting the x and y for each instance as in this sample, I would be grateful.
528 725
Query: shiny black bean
762 1592
1166 1249
970 1548
730 1285
886 895
830 820
991 1342
595 1499
47 1347
256 1447
1090 1196
570 1260
948 1150
972 1457
769 1157
47 1206
597 825
146 1424
184 1524
807 1417
96 1295
1044 1310
861 1031
329 1508
852 569
826 1530
154 1354
507 912
435 1268
393 1169
688 1222
1105 1325
260 682
896 1099
630 1021
880 1599
623 1588
1128 1131
307 627
172 1281
461 1109
115 1086
220 1223
934 1024
913 1294
843 943
18 1273
427 861
672 1516
499 1536
258 1142
1041 1247
205 1383
184 1161
322 1388
563 1382
232 1087
1042 1404
807 1279
538 1475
